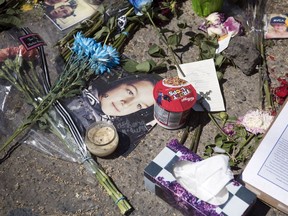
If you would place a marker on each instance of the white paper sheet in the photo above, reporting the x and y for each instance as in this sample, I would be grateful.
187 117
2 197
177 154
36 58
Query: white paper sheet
224 43
268 168
202 75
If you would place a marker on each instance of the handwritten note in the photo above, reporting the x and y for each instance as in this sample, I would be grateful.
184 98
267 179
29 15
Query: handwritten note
202 75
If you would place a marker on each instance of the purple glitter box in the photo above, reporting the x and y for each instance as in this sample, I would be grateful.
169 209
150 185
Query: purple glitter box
159 179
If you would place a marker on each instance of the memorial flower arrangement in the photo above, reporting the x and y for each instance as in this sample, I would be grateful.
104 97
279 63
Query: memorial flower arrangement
9 13
143 8
239 136
117 27
216 25
89 58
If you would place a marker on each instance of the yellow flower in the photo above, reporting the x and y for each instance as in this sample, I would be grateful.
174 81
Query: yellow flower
26 7
29 5
286 22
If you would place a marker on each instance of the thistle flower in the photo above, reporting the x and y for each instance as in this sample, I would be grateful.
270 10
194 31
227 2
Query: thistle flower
256 122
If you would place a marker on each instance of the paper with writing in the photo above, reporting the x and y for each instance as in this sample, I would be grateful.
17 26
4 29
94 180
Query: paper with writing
268 168
202 75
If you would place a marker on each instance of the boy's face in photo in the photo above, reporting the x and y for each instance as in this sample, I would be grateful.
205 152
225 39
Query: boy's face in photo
61 11
279 27
128 98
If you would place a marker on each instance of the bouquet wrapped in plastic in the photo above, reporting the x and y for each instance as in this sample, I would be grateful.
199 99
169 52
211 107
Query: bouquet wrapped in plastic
23 68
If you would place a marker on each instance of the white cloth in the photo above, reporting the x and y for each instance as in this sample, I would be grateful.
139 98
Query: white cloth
206 179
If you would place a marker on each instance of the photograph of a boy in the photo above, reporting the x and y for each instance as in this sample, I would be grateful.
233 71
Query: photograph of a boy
278 27
127 102
66 13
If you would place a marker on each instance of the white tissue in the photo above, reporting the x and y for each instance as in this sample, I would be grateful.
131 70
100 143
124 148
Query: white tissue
206 179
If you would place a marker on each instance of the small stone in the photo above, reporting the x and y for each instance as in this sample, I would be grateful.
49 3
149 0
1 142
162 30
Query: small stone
243 53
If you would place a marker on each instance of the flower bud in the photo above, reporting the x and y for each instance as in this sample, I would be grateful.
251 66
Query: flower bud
223 115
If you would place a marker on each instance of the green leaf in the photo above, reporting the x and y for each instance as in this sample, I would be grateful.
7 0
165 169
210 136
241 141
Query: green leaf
156 67
182 25
174 39
2 1
197 39
72 93
209 150
101 9
219 60
218 140
144 66
162 17
129 65
103 32
227 146
152 63
111 22
11 11
165 30
220 75
7 20
156 51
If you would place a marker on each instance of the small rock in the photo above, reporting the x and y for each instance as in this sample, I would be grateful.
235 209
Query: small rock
244 54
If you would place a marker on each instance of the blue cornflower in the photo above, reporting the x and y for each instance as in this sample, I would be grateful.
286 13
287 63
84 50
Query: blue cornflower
100 58
104 58
140 5
83 45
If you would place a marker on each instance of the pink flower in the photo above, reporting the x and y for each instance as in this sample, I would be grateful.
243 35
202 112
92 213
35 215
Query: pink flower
215 24
232 26
256 122
229 129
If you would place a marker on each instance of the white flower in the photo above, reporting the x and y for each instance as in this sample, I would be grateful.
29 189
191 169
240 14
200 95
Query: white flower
214 18
219 30
256 121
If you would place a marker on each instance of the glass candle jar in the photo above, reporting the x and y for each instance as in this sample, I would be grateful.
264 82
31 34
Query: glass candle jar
101 139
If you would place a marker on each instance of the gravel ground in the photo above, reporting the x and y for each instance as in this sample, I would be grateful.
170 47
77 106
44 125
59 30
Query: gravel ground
32 183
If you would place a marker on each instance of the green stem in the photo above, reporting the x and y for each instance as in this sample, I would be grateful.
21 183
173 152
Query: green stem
244 144
31 119
110 188
129 11
214 121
